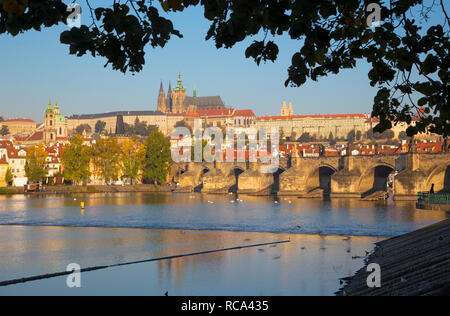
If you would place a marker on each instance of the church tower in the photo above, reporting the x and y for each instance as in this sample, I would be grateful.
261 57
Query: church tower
290 110
284 110
169 99
179 95
49 127
161 100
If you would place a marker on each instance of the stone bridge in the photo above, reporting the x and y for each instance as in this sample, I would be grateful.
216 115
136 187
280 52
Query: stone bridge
348 176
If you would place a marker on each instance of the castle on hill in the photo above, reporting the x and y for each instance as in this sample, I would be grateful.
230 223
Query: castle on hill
177 101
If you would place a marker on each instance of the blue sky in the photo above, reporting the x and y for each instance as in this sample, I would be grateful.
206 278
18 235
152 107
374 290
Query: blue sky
34 66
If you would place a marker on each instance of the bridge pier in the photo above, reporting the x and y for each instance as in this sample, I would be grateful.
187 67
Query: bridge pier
411 180
252 181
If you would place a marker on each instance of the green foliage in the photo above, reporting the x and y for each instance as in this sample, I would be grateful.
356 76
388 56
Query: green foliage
158 159
388 134
139 128
305 138
351 136
9 176
76 158
35 163
182 123
80 129
106 159
100 127
132 157
4 130
408 53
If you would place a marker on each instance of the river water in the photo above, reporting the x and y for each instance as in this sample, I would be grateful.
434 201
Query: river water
40 235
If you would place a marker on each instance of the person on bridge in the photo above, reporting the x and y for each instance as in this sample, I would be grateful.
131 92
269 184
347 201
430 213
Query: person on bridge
432 189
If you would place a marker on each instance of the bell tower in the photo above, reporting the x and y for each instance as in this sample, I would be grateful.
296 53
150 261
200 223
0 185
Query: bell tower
49 124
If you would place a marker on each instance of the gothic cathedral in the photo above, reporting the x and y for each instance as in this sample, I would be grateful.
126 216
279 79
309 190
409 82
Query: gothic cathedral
177 101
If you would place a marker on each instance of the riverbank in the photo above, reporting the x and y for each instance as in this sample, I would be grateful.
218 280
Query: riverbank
413 264
69 189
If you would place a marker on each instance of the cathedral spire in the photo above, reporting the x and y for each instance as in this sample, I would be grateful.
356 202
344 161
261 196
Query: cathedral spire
161 87
49 107
179 86
195 90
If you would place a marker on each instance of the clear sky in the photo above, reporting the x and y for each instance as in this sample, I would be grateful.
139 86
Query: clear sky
36 66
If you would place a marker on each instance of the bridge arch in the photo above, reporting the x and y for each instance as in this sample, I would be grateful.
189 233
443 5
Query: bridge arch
375 178
320 178
276 179
235 172
440 177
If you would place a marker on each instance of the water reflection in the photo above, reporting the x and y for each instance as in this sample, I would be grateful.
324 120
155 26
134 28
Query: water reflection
308 265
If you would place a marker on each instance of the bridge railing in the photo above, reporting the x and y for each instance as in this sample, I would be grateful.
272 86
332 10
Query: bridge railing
434 198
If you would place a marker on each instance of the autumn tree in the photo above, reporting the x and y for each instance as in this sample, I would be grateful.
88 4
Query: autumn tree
76 159
9 176
158 159
106 159
408 53
131 158
35 163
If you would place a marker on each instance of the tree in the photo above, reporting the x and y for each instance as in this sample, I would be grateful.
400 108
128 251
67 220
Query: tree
158 159
132 157
80 129
358 135
106 159
9 176
408 54
100 126
35 163
305 138
76 159
4 130
402 135
351 136
182 123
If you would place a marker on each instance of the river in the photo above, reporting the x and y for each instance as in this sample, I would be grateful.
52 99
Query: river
43 234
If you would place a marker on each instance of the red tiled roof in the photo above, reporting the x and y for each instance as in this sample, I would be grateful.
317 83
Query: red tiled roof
3 160
326 116
244 113
20 120
217 112
5 144
36 136
14 153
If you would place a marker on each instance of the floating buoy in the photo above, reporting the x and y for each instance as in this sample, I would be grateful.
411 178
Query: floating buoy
82 206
